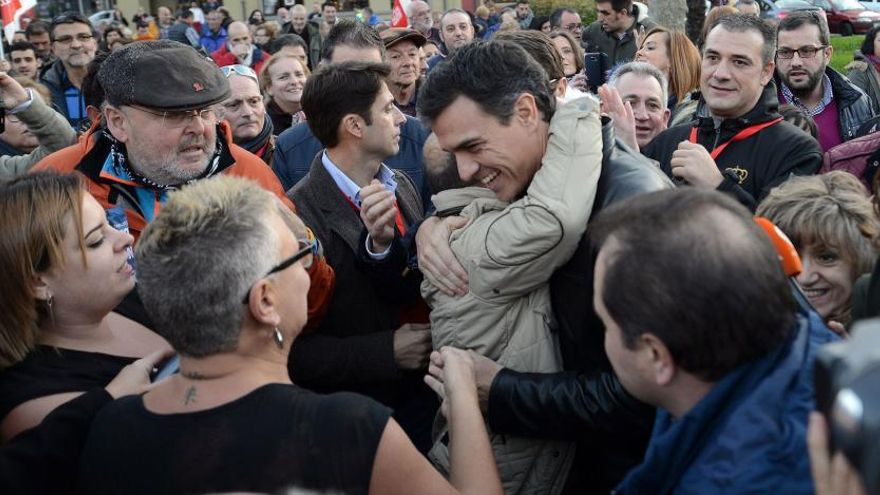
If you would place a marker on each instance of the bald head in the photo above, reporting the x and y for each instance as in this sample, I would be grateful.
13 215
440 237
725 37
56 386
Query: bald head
238 36
237 28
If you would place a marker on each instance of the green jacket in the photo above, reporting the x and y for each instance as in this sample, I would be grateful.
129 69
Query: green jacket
619 51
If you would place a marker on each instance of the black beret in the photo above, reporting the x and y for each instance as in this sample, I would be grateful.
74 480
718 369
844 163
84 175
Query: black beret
162 74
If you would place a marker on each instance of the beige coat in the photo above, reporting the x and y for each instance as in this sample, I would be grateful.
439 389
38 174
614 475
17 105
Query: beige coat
510 251
52 130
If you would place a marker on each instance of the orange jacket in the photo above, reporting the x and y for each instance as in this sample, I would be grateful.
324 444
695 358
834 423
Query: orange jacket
75 158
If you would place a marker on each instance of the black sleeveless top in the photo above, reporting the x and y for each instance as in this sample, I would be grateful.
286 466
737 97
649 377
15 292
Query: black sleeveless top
52 370
272 439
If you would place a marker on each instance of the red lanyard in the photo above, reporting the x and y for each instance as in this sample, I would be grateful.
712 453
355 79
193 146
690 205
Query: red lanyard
739 136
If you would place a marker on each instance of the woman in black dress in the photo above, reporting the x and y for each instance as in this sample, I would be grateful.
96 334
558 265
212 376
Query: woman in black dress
65 269
223 274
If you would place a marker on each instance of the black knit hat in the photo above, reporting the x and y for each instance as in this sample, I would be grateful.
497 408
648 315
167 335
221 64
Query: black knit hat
162 74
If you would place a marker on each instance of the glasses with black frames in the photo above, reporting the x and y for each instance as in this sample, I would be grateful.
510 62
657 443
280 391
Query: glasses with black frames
305 253
803 52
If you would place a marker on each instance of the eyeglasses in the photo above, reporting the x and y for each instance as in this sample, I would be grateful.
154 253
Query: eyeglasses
177 120
305 253
241 70
804 52
573 27
68 39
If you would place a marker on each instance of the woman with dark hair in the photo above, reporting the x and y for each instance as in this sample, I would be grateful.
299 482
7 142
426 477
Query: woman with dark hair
256 18
541 23
863 71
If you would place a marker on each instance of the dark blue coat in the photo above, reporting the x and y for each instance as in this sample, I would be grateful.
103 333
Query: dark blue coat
296 148
748 435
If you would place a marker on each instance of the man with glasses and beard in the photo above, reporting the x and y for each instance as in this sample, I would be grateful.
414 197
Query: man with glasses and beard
160 131
803 51
74 45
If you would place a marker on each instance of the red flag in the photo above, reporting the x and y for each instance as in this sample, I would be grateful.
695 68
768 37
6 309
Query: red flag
398 14
12 10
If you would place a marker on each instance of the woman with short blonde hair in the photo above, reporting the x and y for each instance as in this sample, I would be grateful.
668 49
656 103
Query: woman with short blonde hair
832 223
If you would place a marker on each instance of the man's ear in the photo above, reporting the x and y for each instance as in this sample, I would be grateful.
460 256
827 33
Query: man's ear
117 123
525 109
353 124
561 88
767 72
662 366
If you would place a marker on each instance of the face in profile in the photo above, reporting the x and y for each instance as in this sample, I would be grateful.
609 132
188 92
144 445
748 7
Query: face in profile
102 264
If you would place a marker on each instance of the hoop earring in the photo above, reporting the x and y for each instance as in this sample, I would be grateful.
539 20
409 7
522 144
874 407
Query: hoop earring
279 338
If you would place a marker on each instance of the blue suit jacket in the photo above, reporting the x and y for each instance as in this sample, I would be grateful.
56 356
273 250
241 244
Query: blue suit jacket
296 148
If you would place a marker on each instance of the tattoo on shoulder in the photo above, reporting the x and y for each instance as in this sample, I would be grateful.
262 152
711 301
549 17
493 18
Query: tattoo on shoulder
190 396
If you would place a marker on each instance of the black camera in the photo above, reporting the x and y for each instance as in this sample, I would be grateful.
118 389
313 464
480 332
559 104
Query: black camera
847 383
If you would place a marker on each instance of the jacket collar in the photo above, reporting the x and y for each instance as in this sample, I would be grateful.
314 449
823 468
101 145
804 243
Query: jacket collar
766 109
844 91
676 444
100 141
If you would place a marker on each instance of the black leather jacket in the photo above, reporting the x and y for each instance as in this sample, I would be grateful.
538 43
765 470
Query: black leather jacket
586 402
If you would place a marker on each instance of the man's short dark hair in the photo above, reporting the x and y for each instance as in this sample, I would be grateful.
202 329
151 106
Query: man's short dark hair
70 18
618 5
329 3
457 11
740 23
691 267
21 46
796 19
556 16
185 14
351 33
287 40
337 90
36 28
540 47
522 2
513 73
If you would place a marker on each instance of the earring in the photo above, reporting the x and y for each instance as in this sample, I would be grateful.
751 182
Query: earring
279 338
49 302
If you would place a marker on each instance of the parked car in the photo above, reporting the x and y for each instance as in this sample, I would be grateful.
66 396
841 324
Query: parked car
775 11
103 15
846 17
871 5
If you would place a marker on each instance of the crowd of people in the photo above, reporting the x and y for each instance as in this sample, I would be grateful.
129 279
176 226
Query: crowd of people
317 252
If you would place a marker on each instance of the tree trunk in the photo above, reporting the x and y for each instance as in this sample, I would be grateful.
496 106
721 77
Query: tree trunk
670 14
696 16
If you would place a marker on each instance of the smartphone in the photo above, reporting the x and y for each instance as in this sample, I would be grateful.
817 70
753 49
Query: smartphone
167 369
596 66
